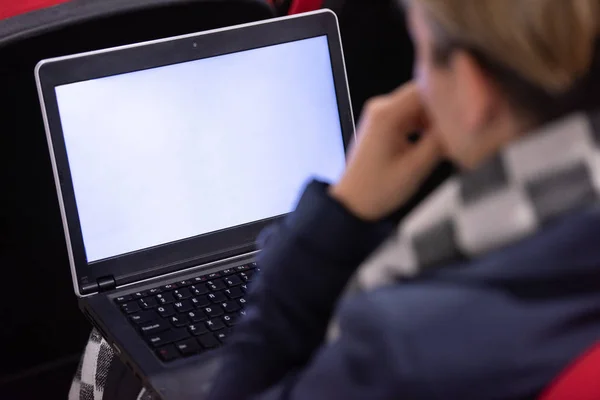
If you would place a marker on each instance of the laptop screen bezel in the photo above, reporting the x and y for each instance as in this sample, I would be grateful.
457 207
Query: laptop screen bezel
207 248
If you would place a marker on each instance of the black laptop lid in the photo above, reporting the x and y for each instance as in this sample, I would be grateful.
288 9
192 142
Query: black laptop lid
175 153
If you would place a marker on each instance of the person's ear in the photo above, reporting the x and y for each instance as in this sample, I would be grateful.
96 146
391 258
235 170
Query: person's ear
475 93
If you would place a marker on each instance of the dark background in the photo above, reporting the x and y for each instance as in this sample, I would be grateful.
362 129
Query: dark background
43 332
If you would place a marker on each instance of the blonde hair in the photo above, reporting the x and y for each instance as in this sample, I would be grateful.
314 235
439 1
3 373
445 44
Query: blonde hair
550 43
541 53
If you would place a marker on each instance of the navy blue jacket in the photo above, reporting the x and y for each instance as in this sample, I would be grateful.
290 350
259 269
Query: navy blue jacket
501 327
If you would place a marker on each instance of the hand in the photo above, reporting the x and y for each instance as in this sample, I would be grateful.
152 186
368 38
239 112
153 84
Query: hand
384 168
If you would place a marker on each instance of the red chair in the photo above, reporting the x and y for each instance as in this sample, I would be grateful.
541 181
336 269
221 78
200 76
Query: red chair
580 381
300 6
10 8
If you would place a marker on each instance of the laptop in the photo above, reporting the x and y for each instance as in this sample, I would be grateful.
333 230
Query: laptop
169 158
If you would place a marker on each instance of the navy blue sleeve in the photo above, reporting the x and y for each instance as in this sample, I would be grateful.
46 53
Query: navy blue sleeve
370 359
306 264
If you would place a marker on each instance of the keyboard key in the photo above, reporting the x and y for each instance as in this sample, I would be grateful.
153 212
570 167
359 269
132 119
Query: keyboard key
216 285
242 302
242 268
165 298
196 316
140 295
228 271
199 279
208 341
234 293
213 311
178 320
214 275
254 265
183 306
130 307
181 294
188 347
245 276
141 317
147 303
230 306
151 328
230 320
154 291
197 329
167 353
233 281
217 297
123 299
201 301
165 311
170 286
199 289
244 288
221 336
161 339
184 283
242 313
214 324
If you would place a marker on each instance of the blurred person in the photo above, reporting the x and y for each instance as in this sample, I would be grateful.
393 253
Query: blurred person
491 286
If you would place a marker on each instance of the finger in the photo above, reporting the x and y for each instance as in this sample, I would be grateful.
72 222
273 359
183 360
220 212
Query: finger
404 109
422 158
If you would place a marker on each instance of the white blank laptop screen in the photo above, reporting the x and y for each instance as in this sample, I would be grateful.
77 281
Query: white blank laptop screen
178 151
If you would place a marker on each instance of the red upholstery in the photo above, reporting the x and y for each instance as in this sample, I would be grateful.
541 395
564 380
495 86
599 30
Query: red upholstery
300 6
580 381
10 8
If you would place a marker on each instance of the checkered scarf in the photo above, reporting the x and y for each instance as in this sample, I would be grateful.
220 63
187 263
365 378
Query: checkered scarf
93 370
530 183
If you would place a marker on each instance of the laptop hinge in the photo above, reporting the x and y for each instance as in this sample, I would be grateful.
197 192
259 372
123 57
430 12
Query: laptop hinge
106 283
88 288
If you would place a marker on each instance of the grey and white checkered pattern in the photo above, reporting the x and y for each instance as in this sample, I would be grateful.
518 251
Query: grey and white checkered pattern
92 373
535 180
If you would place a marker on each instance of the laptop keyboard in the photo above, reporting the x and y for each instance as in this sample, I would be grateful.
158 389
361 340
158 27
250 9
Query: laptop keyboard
191 316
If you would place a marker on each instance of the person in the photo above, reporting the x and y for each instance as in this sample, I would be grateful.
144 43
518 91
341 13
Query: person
491 286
